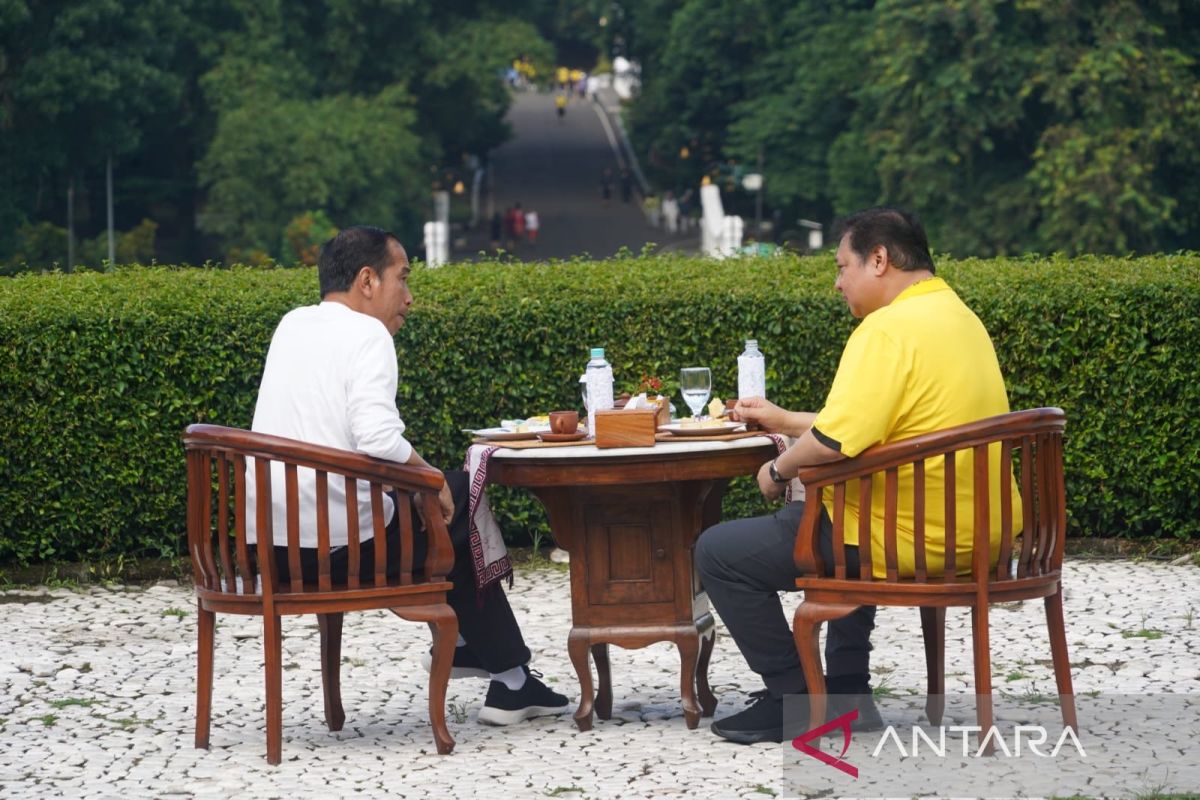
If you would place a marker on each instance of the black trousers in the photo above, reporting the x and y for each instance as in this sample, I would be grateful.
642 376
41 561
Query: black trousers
486 622
744 564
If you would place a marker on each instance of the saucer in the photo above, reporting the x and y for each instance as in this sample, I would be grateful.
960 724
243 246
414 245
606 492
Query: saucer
562 437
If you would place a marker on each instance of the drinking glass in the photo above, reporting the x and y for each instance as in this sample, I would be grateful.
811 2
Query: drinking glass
695 384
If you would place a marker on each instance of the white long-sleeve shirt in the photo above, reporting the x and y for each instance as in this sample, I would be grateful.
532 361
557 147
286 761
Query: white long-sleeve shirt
330 379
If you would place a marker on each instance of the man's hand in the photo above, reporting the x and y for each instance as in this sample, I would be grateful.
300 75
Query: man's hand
762 411
769 488
447 502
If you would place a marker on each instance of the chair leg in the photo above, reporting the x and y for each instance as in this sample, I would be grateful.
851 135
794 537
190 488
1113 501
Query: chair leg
273 646
331 668
204 673
983 674
806 630
444 625
1062 664
933 627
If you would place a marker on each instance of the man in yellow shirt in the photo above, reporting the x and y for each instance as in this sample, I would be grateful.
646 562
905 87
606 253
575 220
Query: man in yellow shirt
920 361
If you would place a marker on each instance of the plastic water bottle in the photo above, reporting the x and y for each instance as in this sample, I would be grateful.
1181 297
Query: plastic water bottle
752 372
599 386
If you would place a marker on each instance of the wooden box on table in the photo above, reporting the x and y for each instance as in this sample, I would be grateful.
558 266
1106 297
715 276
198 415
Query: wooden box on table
628 427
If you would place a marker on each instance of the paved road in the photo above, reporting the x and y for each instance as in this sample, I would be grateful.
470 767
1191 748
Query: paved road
554 167
96 700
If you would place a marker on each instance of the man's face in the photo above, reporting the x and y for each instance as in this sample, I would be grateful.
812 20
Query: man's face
391 299
855 280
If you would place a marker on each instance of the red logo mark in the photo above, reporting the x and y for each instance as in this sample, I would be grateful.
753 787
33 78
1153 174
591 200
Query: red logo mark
801 743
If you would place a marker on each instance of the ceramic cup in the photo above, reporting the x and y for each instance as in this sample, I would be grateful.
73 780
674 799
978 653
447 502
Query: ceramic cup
564 421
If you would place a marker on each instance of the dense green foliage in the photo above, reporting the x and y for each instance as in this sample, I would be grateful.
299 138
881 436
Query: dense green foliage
100 372
1011 126
241 114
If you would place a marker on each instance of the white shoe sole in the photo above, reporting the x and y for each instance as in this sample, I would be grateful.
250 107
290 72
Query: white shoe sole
496 716
455 672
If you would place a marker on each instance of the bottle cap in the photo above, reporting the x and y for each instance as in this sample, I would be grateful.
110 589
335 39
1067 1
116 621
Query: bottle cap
752 344
597 352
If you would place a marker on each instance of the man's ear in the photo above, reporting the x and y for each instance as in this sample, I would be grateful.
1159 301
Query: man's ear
365 281
878 260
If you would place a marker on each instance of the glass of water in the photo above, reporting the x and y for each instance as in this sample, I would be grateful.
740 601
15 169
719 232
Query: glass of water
695 384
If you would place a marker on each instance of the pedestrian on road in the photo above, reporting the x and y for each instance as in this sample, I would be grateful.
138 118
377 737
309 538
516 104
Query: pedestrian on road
518 224
531 225
560 106
670 212
497 230
330 379
626 185
606 182
510 233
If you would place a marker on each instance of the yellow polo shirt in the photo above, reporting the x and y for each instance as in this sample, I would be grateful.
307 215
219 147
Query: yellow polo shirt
920 364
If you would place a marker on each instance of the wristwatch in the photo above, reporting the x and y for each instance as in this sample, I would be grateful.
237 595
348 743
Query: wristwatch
774 473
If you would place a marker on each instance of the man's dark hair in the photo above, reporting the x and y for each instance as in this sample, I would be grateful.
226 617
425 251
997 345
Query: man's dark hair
348 252
896 229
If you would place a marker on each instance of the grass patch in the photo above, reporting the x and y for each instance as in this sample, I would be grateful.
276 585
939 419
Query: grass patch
178 613
47 719
1144 633
71 701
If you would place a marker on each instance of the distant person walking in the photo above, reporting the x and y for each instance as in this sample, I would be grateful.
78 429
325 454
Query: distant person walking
606 182
670 212
626 185
497 223
532 224
560 106
518 224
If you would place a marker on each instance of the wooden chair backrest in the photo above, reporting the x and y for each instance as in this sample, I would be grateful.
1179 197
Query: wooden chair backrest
1029 441
217 507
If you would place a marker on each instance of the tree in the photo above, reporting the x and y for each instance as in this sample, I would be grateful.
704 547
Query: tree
1125 117
80 81
356 158
688 95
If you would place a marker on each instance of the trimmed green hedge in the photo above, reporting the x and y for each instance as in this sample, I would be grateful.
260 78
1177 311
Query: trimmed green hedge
99 373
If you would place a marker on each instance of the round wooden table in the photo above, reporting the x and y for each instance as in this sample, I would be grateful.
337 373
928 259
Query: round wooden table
630 517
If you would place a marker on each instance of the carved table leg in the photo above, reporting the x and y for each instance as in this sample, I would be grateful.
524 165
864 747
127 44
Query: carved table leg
577 648
708 701
604 695
689 651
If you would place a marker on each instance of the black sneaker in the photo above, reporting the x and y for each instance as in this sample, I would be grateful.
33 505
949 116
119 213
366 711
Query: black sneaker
503 706
465 665
868 713
761 722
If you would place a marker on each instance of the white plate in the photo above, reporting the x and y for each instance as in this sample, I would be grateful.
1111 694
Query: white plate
710 430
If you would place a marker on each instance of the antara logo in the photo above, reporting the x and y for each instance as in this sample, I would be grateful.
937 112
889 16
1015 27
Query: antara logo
801 743
1032 736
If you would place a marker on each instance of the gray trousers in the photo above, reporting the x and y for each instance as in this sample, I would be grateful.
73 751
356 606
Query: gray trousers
744 564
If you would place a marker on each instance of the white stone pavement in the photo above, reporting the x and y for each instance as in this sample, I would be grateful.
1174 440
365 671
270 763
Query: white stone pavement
96 696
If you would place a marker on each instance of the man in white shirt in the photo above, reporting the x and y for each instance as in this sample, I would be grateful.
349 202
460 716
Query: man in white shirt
330 379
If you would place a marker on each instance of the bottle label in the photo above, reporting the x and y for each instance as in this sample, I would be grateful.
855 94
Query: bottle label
752 377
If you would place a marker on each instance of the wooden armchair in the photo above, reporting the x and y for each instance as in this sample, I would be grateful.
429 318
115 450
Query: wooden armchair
234 577
1030 552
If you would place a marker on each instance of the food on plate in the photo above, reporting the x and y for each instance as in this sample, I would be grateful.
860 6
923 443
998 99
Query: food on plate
689 422
712 423
716 408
